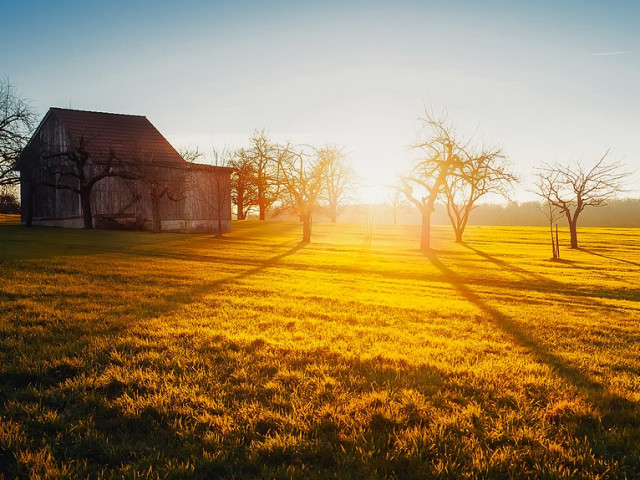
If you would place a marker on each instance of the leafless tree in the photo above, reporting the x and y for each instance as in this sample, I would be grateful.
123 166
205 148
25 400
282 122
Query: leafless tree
572 187
395 200
266 158
339 179
244 192
303 179
17 121
477 175
441 155
72 170
553 214
161 182
189 153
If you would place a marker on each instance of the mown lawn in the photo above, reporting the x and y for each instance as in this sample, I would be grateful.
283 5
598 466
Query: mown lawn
128 354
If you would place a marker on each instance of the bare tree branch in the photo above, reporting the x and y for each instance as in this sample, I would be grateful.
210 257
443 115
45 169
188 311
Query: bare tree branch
17 121
572 187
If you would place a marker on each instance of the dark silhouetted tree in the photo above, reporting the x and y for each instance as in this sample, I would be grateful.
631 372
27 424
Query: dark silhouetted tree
161 183
73 170
572 187
17 121
189 153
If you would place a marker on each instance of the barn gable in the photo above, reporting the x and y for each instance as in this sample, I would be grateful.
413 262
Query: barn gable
143 182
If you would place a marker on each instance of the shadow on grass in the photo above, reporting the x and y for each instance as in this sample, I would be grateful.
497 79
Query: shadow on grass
540 283
96 438
174 442
618 414
591 252
501 263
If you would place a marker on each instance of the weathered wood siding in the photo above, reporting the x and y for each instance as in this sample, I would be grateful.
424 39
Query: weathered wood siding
198 197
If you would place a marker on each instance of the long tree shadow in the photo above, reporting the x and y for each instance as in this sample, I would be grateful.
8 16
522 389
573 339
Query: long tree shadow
501 263
119 319
591 252
157 432
617 412
546 284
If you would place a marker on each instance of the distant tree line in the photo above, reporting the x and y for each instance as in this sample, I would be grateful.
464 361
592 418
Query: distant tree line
619 212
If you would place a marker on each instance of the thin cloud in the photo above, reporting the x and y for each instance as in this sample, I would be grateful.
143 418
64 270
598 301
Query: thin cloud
602 54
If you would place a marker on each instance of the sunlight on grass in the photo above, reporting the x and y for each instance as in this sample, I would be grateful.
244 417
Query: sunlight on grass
132 354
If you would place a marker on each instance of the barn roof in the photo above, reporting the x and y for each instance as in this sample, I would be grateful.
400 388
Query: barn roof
128 136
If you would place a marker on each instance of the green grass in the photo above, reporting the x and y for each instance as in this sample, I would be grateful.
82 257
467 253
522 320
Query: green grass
128 354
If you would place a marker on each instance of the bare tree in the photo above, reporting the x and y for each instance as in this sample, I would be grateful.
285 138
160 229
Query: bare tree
189 153
17 121
303 179
73 170
395 200
441 155
339 179
477 175
266 158
572 187
553 214
243 183
161 182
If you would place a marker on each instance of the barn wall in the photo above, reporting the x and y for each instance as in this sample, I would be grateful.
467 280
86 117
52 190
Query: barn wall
195 199
209 199
199 196
49 203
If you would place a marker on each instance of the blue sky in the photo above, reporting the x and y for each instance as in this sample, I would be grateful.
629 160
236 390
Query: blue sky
545 80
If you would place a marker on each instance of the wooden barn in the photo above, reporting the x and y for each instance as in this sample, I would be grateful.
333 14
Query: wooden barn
105 170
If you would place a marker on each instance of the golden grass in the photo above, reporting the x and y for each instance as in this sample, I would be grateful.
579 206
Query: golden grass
189 356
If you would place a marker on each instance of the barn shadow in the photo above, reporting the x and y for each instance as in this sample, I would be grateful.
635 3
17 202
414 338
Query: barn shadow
617 413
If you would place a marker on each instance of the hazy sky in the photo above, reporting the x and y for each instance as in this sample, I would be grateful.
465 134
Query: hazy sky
545 80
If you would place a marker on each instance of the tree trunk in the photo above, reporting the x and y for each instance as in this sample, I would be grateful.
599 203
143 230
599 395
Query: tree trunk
425 231
553 244
306 228
573 230
240 211
333 217
155 214
263 210
395 218
458 235
557 243
219 225
85 202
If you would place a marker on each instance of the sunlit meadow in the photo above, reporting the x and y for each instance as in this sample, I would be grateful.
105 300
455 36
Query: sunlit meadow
128 354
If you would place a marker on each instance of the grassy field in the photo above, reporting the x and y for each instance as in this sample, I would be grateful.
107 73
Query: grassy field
128 354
